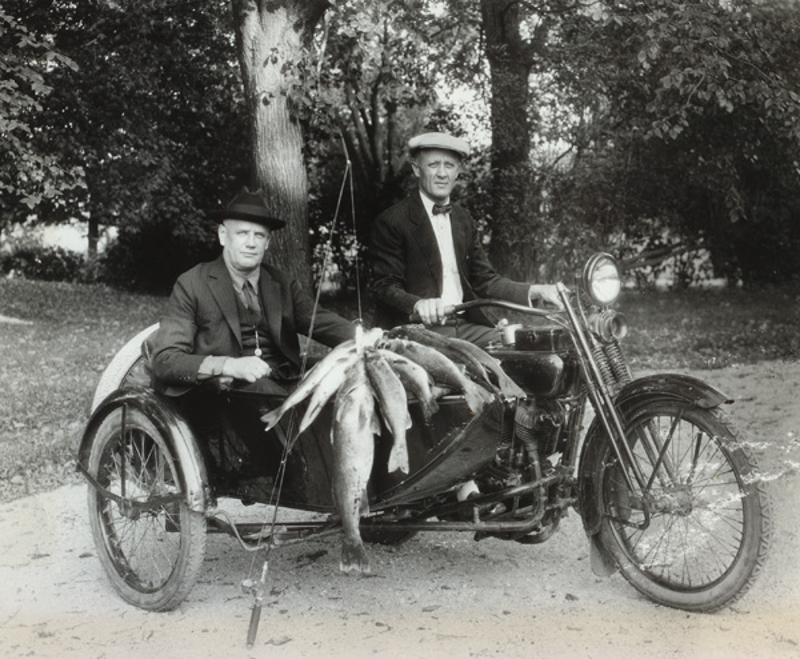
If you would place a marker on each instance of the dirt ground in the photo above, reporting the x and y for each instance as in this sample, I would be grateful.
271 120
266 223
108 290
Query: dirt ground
436 596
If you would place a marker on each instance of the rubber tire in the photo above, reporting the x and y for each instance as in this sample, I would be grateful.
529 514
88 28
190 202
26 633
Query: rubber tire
188 534
756 514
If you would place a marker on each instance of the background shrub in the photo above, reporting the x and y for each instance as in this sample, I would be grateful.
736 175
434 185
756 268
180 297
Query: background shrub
45 263
149 256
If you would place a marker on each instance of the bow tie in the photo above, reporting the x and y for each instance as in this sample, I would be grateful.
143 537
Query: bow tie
441 209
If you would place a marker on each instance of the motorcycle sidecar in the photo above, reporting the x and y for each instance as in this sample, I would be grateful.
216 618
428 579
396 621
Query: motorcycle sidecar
157 467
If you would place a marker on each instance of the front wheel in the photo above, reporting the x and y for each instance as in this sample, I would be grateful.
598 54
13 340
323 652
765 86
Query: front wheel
149 542
696 536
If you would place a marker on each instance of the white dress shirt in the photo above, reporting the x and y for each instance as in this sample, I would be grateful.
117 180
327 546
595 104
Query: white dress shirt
452 293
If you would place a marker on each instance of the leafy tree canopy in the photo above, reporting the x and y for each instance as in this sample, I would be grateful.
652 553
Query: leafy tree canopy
619 125
28 174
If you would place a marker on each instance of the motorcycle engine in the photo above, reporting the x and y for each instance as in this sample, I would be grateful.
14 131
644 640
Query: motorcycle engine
538 423
533 436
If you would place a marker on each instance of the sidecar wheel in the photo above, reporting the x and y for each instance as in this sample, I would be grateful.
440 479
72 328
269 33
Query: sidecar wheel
710 524
152 552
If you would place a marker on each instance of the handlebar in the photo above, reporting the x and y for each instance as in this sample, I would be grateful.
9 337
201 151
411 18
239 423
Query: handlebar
453 309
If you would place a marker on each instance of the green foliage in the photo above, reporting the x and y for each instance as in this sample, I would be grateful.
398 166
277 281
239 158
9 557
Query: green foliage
652 124
685 119
152 114
45 263
150 255
28 175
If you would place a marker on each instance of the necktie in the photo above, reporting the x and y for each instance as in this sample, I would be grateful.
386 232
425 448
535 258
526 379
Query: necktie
440 209
251 302
250 297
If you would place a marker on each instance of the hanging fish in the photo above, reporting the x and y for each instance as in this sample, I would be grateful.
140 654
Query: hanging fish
312 379
442 370
326 388
354 426
444 345
415 379
507 386
393 405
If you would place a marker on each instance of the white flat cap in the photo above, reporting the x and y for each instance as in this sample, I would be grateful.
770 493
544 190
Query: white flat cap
439 141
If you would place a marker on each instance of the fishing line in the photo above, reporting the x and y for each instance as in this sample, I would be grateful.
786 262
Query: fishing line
349 171
257 587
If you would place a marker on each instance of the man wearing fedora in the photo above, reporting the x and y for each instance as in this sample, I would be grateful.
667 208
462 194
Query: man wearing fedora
427 253
236 317
233 323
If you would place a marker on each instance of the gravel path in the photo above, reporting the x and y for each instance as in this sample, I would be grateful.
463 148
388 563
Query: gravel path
439 595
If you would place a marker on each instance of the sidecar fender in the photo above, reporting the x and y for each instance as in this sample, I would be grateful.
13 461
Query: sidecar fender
120 366
174 429
663 386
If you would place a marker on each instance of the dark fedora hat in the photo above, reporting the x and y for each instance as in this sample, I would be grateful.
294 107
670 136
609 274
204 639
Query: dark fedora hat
248 206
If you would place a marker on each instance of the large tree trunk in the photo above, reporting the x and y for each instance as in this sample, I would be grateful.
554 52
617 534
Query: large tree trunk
271 37
93 237
513 245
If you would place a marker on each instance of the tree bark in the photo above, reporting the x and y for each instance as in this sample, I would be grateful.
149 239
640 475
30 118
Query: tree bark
271 39
513 247
93 236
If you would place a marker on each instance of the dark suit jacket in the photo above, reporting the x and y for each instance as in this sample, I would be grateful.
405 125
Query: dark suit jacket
407 266
203 319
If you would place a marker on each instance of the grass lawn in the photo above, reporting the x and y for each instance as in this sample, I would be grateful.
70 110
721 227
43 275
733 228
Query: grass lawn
50 366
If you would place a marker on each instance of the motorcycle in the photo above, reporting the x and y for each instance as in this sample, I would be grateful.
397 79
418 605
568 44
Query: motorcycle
668 493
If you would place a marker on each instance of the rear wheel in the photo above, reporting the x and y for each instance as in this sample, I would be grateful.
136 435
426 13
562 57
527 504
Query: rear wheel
149 542
710 516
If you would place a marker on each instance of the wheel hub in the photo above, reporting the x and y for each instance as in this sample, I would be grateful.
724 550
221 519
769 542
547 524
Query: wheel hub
678 500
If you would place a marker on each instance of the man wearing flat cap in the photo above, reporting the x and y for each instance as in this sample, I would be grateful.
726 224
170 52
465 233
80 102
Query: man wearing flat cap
427 254
236 317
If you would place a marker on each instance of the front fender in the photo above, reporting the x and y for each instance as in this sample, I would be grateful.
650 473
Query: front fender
670 386
653 388
176 432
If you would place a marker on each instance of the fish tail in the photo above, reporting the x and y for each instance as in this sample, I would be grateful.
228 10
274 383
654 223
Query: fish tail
354 558
398 462
308 419
375 424
429 408
398 457
272 418
477 398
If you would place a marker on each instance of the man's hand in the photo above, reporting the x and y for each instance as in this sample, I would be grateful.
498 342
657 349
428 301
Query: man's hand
547 294
246 368
431 311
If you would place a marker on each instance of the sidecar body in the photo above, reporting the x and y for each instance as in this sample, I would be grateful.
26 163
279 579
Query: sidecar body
223 451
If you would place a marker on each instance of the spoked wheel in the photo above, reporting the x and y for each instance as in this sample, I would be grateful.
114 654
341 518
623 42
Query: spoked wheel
697 536
149 542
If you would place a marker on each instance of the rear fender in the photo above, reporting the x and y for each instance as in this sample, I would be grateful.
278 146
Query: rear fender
175 431
653 388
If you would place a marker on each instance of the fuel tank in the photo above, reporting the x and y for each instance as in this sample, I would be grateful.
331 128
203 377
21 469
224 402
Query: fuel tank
540 359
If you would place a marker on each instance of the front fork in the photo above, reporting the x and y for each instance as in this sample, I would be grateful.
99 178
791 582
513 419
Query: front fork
603 404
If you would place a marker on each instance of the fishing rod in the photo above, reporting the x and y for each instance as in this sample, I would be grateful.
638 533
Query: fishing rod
258 587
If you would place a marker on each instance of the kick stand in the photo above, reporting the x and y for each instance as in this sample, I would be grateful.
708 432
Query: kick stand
257 589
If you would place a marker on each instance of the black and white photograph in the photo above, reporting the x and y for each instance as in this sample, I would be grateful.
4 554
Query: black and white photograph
404 328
